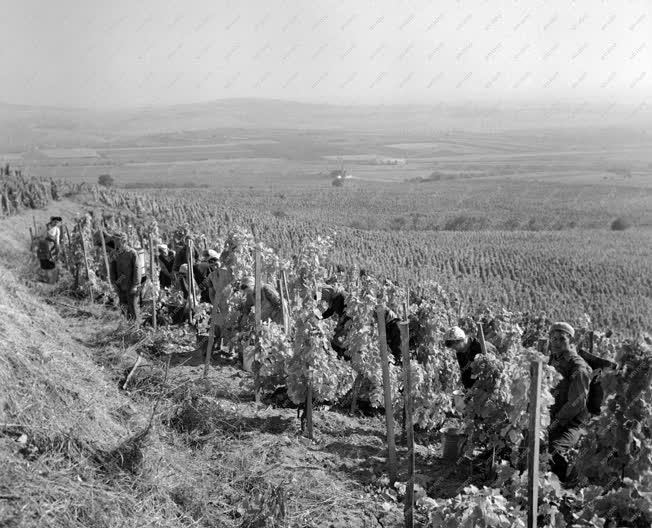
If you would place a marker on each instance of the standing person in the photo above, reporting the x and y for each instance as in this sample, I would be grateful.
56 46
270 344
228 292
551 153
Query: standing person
125 276
466 349
569 412
270 302
53 229
182 240
47 251
166 262
202 270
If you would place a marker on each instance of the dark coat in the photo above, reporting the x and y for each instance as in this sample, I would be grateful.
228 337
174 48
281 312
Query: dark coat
571 392
125 272
180 257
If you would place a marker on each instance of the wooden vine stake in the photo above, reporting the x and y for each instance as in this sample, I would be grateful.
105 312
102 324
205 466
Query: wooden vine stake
88 273
257 320
309 424
284 286
483 344
152 269
533 448
284 309
389 412
211 336
105 255
483 348
409 423
191 280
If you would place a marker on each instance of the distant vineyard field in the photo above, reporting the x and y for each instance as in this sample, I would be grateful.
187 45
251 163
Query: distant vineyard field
606 275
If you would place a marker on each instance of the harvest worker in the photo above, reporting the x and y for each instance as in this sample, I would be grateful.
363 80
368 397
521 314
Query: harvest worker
182 238
202 270
466 348
336 299
125 276
53 228
166 261
569 412
270 301
47 251
393 334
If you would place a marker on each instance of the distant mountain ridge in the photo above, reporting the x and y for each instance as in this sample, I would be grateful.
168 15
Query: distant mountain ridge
27 126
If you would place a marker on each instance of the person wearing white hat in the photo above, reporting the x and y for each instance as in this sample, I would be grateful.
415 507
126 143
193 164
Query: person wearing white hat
569 413
466 348
202 271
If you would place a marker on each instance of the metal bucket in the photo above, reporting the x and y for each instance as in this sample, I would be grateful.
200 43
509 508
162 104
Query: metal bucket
453 444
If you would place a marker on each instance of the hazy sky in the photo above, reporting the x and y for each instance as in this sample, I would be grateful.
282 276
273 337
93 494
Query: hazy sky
103 53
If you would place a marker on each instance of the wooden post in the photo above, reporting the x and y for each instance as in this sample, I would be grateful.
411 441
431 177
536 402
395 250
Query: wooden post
88 273
152 269
284 279
409 425
389 411
533 437
35 228
286 326
191 281
483 345
257 319
106 257
211 337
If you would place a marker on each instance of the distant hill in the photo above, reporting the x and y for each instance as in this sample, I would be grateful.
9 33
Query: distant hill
50 127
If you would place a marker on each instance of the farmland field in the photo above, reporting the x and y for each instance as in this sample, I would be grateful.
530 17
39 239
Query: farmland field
521 217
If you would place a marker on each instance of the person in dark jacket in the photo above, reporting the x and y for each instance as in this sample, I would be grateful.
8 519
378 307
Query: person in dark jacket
202 270
47 251
336 300
569 413
125 276
466 349
393 334
166 262
182 239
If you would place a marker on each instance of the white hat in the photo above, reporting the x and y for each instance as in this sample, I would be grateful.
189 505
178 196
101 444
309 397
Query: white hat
164 247
563 327
455 334
211 253
183 269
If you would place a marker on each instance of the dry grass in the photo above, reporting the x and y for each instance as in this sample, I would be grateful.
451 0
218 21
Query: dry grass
76 451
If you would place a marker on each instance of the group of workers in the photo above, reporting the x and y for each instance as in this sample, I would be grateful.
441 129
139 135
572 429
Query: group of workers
568 414
570 411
